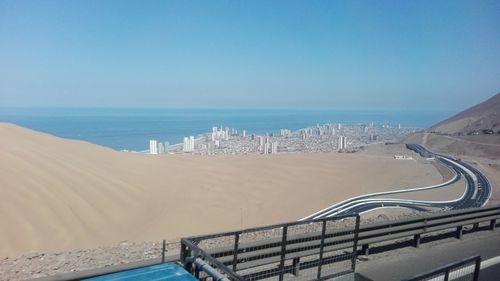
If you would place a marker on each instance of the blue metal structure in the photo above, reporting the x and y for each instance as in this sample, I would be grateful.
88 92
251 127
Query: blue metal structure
166 271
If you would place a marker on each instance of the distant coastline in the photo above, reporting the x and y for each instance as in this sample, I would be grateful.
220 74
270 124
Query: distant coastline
131 129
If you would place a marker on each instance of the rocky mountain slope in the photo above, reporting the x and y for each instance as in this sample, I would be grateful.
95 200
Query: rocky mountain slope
483 118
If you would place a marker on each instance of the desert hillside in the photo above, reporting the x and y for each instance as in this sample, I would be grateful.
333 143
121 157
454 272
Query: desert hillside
472 135
60 194
478 119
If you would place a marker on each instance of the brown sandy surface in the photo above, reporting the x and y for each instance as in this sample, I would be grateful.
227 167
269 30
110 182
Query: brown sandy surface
61 195
446 193
449 192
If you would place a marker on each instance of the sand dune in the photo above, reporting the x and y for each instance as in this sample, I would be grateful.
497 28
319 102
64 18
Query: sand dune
60 194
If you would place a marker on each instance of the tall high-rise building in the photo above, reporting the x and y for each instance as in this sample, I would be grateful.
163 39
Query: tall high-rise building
188 144
260 146
191 143
153 147
266 148
161 148
167 146
342 143
274 148
244 133
185 145
215 133
399 126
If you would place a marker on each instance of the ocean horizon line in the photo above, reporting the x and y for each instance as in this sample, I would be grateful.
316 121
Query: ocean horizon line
222 108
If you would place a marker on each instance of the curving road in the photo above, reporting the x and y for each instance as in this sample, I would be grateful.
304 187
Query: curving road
477 191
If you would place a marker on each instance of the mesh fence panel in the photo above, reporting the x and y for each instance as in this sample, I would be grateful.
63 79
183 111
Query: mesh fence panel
339 255
296 251
463 273
260 257
465 270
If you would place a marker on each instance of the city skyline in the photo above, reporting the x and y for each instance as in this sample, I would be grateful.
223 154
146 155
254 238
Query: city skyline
324 54
326 137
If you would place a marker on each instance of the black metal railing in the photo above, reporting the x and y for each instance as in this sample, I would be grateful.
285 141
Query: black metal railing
315 249
464 270
321 248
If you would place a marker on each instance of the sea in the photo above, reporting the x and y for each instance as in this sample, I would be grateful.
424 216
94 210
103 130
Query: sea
132 128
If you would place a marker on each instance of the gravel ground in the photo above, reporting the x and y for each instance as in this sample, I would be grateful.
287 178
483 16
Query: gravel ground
34 265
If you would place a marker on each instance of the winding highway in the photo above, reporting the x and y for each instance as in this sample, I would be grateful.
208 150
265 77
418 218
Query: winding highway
477 191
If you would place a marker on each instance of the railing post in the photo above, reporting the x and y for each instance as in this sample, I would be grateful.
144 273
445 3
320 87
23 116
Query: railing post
296 266
321 249
365 249
196 272
235 253
183 254
355 244
283 252
477 269
447 274
460 229
493 223
475 226
163 252
416 240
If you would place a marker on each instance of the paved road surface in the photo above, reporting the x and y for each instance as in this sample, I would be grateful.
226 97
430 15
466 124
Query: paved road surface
477 192
407 262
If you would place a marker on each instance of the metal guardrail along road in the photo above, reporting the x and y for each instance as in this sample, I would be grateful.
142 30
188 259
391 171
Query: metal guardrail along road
271 256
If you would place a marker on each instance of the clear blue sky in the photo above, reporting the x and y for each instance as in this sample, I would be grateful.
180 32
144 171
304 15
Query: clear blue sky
339 54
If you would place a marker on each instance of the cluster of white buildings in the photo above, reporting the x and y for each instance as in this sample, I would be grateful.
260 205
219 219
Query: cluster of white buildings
286 133
219 134
156 147
320 138
222 134
319 130
265 146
